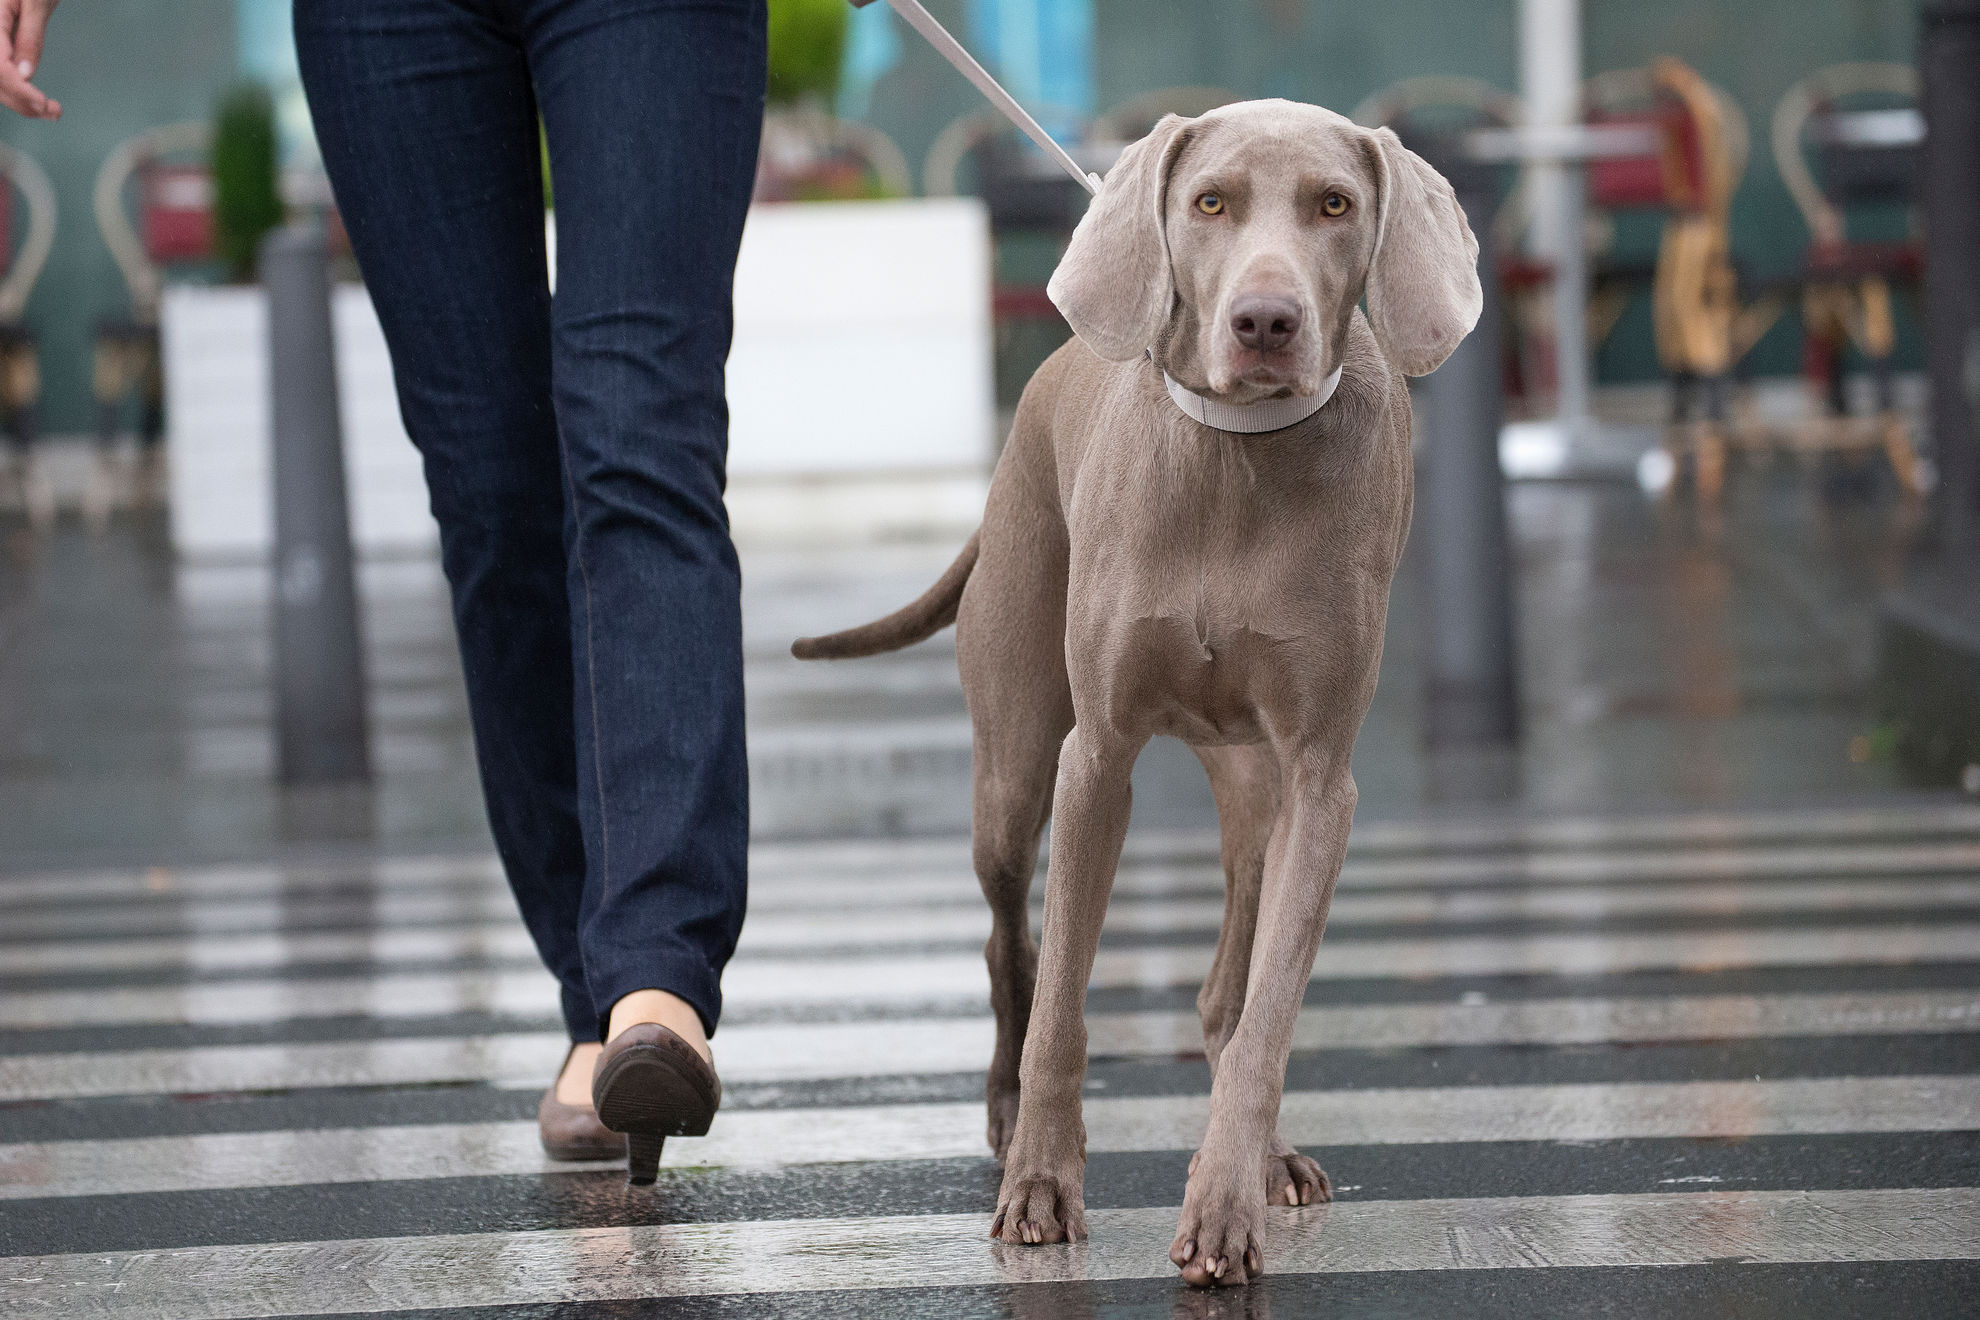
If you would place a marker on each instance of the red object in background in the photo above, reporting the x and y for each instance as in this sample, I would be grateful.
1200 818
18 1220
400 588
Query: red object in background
1627 182
1672 177
176 212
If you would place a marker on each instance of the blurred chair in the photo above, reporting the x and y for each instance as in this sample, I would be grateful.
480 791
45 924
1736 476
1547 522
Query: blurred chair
1032 204
20 356
808 155
174 226
1701 329
1432 115
1132 119
980 153
1861 124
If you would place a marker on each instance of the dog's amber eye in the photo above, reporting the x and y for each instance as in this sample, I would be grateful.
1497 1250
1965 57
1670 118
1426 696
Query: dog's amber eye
1210 204
1334 204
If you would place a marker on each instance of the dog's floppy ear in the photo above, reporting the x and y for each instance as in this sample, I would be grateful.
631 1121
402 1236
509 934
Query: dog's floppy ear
1113 285
1423 294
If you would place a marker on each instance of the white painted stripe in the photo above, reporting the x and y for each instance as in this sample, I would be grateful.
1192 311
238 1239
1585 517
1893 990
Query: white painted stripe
1655 875
914 1252
952 909
239 952
767 1137
458 906
906 979
1721 828
245 881
772 931
523 992
916 979
1688 864
931 1251
868 866
928 1046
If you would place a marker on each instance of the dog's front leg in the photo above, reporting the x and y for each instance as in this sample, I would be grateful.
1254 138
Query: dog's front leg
1043 1197
1220 1239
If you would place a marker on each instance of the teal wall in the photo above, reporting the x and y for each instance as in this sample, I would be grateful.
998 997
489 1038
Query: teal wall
118 67
1335 52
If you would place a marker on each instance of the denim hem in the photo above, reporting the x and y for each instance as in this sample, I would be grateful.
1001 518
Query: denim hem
681 974
580 1018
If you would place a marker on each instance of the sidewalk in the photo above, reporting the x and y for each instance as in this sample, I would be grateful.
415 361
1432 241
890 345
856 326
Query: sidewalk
1683 984
1660 671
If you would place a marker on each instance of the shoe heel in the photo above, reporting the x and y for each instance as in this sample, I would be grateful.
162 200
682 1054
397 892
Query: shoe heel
643 1157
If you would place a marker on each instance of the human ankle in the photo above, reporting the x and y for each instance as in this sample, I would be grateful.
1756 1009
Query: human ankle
663 1007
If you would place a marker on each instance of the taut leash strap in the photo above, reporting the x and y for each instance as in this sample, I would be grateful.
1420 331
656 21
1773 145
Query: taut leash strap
951 50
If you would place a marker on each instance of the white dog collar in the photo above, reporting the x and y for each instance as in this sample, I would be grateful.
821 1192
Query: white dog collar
1251 418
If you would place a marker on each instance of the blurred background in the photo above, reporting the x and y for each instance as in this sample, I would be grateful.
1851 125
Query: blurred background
1694 505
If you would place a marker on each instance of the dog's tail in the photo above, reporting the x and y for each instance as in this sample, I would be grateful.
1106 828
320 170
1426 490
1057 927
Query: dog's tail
933 611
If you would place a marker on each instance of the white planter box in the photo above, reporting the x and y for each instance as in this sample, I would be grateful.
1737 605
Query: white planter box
215 345
862 349
862 339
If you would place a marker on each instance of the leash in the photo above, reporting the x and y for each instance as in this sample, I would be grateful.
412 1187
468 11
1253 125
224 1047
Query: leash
951 50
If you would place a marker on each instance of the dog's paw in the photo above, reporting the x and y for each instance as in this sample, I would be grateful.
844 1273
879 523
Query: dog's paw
1293 1179
1040 1206
1290 1177
1220 1239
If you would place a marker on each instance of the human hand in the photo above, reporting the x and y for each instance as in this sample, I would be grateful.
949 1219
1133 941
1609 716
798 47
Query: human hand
22 25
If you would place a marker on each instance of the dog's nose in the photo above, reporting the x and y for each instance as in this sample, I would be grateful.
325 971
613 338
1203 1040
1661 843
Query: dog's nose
1265 323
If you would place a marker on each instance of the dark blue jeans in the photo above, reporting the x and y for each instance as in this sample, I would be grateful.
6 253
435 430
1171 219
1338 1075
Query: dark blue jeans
574 449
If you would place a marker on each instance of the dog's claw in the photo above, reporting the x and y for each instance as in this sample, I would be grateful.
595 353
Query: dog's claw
1299 1181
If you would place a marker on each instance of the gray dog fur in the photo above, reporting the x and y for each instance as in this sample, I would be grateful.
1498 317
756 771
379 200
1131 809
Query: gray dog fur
1138 573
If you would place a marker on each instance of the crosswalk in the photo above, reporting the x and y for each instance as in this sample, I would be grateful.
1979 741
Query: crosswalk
1743 1049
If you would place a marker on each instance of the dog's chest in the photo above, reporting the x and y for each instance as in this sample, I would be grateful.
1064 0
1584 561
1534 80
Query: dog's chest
1203 600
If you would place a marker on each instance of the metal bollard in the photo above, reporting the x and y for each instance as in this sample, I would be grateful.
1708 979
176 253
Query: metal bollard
1471 684
1949 64
319 657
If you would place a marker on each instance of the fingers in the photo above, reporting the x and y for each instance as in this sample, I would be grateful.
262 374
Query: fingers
23 97
28 34
22 26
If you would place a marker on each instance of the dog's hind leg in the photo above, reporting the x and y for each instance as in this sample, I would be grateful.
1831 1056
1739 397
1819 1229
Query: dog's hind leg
1245 783
1011 651
1016 761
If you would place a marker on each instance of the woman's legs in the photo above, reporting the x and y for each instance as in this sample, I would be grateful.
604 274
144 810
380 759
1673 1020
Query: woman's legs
429 129
653 110
616 787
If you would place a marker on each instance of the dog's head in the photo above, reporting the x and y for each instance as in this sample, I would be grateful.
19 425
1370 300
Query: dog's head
1237 244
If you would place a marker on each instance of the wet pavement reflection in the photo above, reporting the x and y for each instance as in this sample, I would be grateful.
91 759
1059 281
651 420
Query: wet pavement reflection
1674 1010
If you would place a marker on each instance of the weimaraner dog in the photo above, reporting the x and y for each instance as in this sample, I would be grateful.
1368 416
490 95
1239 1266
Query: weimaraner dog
1140 572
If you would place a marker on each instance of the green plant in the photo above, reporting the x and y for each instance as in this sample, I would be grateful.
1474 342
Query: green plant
247 202
807 46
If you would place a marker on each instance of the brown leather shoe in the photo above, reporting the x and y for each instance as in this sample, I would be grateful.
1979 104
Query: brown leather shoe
651 1085
573 1132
